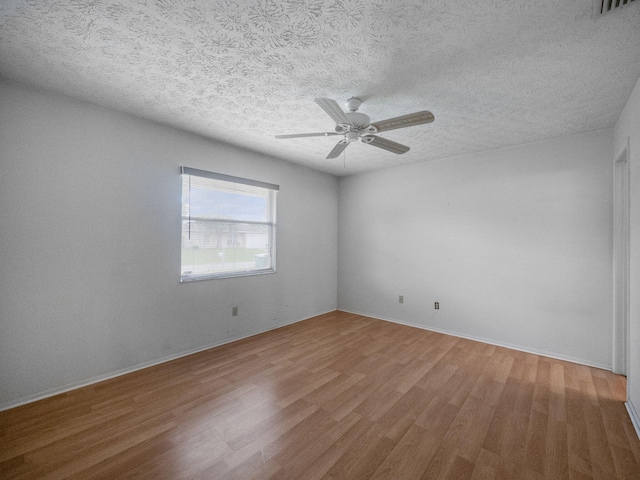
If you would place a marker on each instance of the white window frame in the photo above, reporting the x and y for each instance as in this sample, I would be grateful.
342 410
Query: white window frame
238 185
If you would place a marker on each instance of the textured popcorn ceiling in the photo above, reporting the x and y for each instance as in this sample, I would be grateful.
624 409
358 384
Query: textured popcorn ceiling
494 72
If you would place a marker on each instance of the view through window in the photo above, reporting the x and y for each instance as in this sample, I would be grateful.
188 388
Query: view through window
228 225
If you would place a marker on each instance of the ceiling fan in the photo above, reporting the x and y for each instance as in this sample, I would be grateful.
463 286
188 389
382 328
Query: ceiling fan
353 125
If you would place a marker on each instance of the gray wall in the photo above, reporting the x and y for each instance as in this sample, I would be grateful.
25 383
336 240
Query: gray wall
515 244
90 236
628 128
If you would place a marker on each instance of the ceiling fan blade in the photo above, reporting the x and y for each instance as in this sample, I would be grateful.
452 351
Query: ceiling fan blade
333 110
338 149
385 144
417 118
302 135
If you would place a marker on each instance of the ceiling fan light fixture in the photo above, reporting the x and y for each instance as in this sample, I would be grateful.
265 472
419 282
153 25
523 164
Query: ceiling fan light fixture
352 136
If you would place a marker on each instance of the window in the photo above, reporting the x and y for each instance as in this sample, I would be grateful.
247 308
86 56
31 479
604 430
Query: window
228 226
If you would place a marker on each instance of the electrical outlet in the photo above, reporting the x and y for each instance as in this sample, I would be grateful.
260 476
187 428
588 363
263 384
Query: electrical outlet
234 311
436 305
401 299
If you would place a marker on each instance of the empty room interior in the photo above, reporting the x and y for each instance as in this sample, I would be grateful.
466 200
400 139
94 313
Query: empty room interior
320 239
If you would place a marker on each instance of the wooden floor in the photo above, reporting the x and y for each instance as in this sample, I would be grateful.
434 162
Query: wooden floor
339 396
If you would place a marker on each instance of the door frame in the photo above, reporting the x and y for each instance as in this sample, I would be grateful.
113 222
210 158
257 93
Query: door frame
621 206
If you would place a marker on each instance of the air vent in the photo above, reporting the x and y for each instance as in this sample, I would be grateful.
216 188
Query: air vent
605 6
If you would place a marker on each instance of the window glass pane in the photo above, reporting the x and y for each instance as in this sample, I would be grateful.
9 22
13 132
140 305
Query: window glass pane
227 228
214 247
212 198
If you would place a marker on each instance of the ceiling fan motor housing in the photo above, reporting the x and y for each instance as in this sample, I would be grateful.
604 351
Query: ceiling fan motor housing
358 119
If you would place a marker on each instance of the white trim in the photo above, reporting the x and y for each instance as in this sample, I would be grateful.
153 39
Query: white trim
543 353
633 414
621 259
101 378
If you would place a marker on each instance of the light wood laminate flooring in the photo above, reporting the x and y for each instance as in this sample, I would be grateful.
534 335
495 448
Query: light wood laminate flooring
338 396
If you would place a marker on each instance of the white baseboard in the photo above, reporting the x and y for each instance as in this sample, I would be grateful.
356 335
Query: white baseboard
100 378
542 353
633 414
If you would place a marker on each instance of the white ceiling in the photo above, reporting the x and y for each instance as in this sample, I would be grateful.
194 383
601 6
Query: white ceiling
494 73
